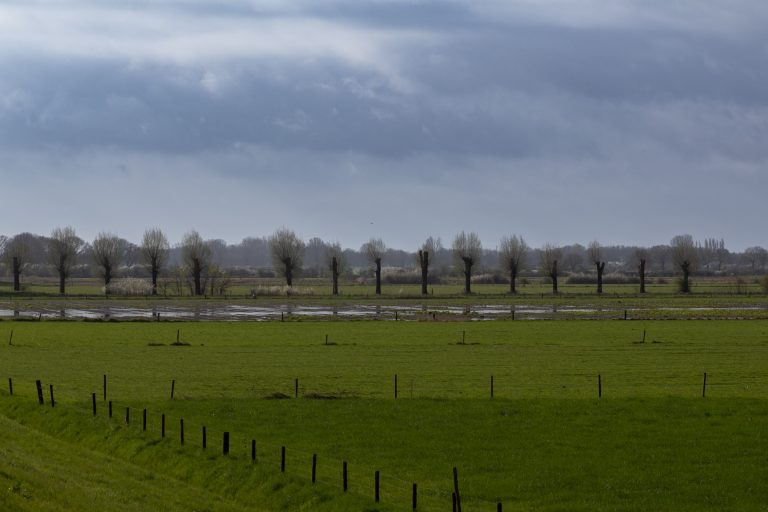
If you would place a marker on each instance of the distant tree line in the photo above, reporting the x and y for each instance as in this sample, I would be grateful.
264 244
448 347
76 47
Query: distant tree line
202 266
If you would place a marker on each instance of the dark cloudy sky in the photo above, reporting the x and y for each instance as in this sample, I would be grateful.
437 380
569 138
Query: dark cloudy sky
626 121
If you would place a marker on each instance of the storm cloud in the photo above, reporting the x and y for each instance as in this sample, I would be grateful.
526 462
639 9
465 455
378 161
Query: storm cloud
561 120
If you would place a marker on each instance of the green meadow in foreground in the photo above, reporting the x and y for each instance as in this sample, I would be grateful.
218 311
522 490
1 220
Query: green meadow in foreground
544 442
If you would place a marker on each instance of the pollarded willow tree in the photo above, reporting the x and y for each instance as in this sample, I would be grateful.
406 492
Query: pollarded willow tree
287 253
467 251
154 253
337 263
17 256
512 253
64 246
549 256
596 256
196 256
684 257
641 257
107 251
430 246
374 250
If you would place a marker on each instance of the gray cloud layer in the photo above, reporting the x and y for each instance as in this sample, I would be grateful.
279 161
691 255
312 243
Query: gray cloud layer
562 120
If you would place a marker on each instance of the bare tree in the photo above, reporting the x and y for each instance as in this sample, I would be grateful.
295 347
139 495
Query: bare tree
107 251
467 251
430 246
641 256
337 263
374 250
287 253
684 257
756 257
572 258
549 256
154 253
512 253
596 256
63 248
17 256
196 256
721 254
659 255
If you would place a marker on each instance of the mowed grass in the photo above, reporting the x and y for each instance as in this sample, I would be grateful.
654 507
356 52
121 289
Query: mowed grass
544 442
528 359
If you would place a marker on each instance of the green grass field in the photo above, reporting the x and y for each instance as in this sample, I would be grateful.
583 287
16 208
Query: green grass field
544 442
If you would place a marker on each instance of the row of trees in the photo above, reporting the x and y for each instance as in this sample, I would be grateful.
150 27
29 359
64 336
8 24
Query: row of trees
288 251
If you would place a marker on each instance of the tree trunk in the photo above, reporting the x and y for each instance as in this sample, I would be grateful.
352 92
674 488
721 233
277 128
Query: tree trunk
512 279
16 274
196 272
467 275
155 272
686 272
335 275
288 271
62 284
424 261
600 267
378 276
642 276
553 276
107 276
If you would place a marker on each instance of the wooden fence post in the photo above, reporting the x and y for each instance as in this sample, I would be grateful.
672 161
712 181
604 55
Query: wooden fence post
282 459
344 474
10 385
253 450
53 403
704 387
225 447
413 497
127 415
491 386
162 425
314 467
173 386
93 401
105 387
181 431
296 388
144 420
376 486
39 391
109 408
599 386
456 489
205 443
395 385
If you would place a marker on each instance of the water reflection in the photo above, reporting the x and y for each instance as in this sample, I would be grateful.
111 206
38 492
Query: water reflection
276 312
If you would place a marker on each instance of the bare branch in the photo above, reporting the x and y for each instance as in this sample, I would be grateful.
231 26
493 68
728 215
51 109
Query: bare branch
197 257
467 251
287 253
108 251
63 248
154 253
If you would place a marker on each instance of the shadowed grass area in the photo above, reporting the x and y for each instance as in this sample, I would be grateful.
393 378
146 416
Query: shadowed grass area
625 454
